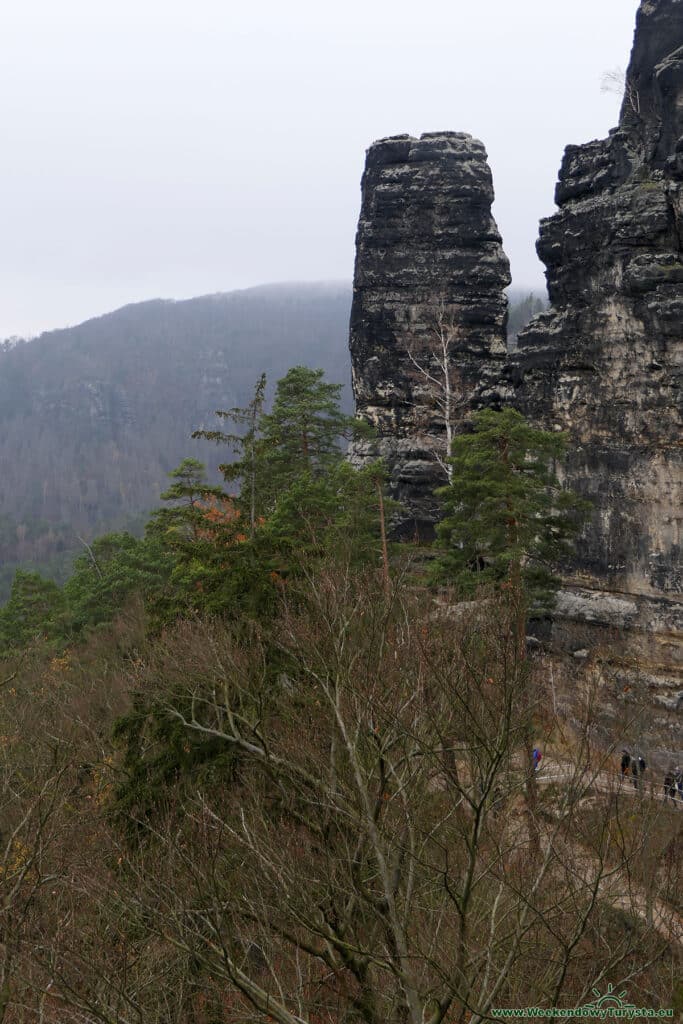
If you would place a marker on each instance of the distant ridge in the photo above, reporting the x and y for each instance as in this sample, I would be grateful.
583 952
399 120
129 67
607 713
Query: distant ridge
92 417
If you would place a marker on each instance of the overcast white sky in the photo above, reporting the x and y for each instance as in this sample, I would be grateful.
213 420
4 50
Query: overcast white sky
176 147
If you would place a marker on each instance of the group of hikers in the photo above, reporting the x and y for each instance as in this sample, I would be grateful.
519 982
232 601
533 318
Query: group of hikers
635 767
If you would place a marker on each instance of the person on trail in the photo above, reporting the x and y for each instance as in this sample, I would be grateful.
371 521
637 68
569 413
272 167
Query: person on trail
678 779
634 773
536 758
670 785
625 762
641 767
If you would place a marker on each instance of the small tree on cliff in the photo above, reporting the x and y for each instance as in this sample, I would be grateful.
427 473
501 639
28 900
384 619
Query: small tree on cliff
432 358
507 519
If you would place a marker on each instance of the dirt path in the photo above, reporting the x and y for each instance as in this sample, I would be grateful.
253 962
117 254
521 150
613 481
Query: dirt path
655 913
604 781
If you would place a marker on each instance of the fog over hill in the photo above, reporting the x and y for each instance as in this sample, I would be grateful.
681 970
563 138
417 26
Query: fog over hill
93 417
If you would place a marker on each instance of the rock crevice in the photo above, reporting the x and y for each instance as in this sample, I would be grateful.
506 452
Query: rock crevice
604 363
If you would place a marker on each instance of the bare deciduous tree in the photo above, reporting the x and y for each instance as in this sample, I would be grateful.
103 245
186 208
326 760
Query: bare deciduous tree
432 357
619 81
371 861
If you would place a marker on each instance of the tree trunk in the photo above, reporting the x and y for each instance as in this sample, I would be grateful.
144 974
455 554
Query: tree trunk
383 533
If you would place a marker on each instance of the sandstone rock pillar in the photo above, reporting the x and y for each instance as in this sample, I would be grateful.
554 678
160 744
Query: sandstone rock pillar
430 274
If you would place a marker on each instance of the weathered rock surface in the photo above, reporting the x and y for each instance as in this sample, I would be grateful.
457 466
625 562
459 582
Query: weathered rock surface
429 268
605 362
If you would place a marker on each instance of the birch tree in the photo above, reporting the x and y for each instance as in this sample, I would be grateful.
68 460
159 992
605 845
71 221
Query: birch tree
433 361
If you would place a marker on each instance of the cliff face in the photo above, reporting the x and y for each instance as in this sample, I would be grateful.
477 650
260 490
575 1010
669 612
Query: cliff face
428 317
605 362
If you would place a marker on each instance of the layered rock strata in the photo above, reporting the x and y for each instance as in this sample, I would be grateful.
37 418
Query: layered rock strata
605 363
428 320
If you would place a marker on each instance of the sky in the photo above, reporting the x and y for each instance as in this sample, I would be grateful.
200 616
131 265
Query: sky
172 148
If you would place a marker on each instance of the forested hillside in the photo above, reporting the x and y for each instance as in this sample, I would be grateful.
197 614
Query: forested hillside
523 305
93 417
265 764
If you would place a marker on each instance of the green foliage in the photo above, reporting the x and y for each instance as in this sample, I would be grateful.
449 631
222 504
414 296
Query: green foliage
180 523
36 611
317 516
206 552
302 435
179 679
158 754
300 499
115 567
247 444
506 517
216 568
317 507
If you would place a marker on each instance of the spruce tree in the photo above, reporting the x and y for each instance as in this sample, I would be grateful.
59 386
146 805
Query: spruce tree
318 517
303 433
115 567
201 530
247 445
184 518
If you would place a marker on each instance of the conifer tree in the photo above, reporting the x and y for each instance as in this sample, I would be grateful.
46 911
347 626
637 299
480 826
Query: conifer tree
115 567
200 529
507 519
303 433
246 468
314 500
183 519
326 516
35 611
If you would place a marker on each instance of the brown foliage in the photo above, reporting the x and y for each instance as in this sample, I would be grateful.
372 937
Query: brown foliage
370 858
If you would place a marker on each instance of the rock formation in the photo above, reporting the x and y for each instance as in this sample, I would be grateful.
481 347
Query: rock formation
429 278
605 362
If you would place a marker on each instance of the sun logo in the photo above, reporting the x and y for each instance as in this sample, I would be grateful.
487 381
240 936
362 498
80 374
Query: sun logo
610 998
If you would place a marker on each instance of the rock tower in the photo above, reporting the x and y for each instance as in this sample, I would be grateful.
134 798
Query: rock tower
428 321
605 363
